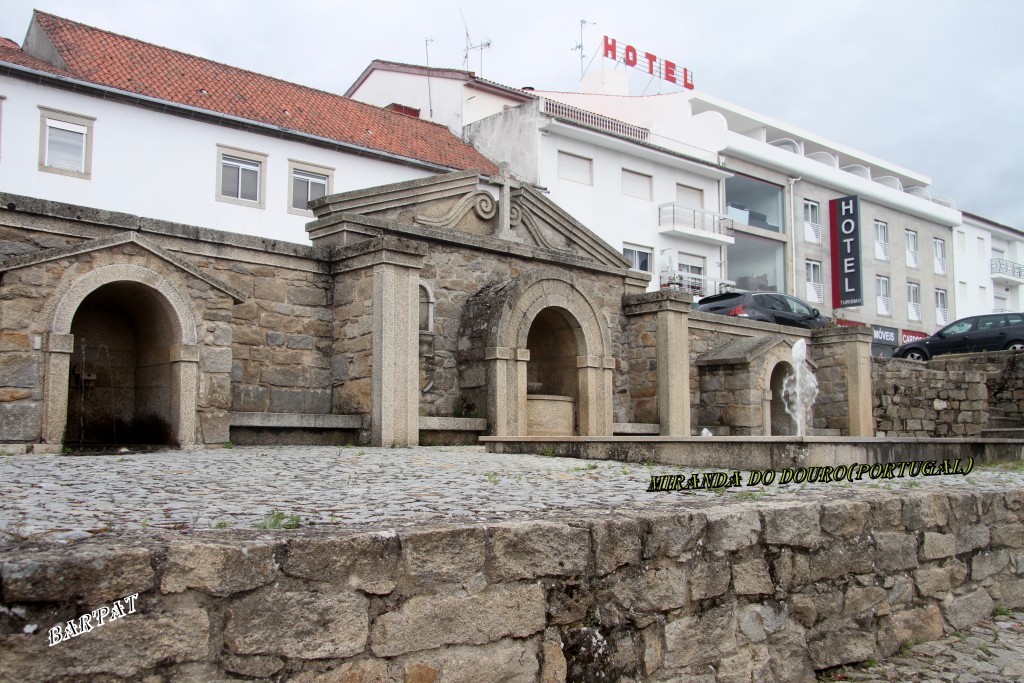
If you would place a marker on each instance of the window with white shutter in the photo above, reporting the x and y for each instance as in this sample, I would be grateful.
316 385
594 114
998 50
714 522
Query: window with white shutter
65 143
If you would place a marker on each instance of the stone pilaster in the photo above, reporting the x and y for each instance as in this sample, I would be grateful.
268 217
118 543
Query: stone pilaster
850 349
394 393
672 310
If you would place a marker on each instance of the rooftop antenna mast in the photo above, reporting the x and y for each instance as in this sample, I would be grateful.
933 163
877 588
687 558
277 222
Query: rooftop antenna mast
430 100
579 45
470 47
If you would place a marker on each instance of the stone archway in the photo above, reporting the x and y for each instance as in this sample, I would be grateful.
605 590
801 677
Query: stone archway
143 349
550 305
780 421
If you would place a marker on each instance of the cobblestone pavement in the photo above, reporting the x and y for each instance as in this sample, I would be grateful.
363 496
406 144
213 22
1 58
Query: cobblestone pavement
53 497
64 498
990 652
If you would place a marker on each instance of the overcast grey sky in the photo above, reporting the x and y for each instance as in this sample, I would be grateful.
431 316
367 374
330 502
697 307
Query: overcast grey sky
936 86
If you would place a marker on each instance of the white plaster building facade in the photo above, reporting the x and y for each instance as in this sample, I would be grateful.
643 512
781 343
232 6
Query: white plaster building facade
87 118
657 197
628 166
990 270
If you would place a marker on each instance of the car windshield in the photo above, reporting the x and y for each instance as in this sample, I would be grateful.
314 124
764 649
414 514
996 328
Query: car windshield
959 327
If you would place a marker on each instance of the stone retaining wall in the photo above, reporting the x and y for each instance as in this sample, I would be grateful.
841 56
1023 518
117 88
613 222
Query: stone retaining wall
958 395
738 592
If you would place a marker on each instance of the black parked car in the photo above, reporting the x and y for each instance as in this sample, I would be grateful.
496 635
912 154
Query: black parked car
977 333
767 307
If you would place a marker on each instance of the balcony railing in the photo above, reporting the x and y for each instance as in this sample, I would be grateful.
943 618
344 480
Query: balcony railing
812 232
1001 266
881 250
883 305
941 316
621 129
698 285
913 311
940 266
815 293
676 216
912 259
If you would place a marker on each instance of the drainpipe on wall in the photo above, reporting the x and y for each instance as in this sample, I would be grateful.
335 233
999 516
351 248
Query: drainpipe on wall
791 182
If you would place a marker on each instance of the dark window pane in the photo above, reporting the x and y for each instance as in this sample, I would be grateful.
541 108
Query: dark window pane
300 192
250 185
229 180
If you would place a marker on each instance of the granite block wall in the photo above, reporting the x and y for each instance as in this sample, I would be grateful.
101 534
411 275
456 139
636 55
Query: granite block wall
766 591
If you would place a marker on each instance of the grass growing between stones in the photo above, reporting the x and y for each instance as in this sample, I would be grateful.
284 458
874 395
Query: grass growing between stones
278 520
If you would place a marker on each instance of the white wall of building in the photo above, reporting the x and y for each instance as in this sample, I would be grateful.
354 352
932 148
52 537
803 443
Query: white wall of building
442 95
623 220
976 243
166 166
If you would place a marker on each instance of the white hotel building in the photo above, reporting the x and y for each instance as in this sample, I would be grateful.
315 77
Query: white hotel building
703 193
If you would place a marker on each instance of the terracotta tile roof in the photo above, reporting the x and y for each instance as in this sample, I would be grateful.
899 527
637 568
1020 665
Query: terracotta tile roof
135 66
11 53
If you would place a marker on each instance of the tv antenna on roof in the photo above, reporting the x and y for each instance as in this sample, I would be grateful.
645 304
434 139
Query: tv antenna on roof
430 99
579 45
480 47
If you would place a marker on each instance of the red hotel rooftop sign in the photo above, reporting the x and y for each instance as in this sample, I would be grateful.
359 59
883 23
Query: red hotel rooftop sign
645 61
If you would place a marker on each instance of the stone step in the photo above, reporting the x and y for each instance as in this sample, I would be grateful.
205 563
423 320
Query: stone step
1003 433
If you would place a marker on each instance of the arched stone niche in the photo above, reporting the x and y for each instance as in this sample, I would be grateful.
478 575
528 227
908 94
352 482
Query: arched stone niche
570 348
159 315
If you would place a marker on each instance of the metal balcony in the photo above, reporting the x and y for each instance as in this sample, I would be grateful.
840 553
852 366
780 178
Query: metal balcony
940 266
912 259
881 250
812 232
913 311
1007 272
883 305
629 131
815 293
697 285
707 226
941 316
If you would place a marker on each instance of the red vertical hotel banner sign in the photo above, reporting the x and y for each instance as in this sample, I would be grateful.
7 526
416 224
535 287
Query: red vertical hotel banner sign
844 228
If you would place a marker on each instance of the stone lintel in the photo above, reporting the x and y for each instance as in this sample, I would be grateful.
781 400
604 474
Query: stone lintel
378 251
61 343
652 302
589 362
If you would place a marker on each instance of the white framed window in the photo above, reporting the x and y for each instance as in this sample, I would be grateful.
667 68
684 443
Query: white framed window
812 222
575 168
241 177
913 260
883 295
815 288
65 143
914 301
642 258
941 307
636 184
690 197
881 240
939 246
306 183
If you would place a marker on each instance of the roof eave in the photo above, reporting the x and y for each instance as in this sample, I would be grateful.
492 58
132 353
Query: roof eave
212 116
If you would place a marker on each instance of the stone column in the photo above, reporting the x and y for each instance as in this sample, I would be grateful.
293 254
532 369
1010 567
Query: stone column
55 387
506 389
395 397
848 349
594 409
394 339
672 310
184 388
